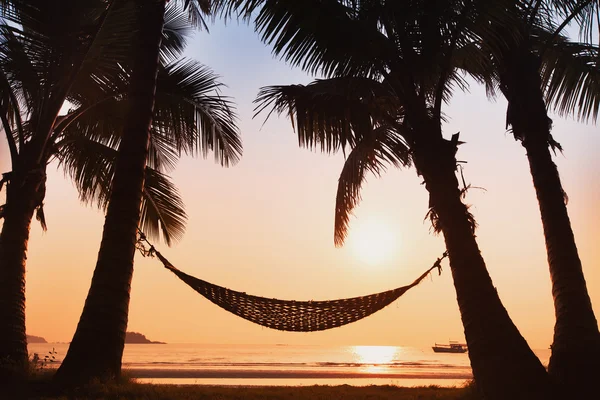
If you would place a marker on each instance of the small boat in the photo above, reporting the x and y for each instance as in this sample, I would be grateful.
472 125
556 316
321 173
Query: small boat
451 347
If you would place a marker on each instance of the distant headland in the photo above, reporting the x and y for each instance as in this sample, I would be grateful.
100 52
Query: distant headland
130 337
138 338
35 339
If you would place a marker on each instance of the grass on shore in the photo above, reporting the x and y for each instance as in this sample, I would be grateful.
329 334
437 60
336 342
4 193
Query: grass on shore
39 386
137 391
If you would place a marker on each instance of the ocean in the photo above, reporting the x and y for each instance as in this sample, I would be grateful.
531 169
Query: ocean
281 364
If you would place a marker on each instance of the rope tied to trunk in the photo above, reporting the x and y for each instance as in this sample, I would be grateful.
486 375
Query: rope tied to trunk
288 315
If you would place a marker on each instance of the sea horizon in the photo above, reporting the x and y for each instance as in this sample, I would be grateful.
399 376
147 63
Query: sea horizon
285 364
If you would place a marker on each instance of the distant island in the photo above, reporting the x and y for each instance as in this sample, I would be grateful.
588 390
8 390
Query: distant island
130 337
35 339
138 338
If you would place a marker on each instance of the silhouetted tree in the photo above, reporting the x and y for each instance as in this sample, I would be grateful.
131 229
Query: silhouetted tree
84 140
390 67
44 53
97 346
540 65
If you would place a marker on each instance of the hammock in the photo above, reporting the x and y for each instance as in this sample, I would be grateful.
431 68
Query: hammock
289 315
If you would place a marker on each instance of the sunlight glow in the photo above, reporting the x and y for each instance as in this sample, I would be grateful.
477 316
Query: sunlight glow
373 241
377 358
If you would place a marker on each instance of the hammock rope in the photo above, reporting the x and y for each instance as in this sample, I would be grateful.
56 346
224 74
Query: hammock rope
288 315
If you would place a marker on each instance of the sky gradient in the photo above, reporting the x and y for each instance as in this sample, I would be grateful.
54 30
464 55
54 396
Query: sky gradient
265 226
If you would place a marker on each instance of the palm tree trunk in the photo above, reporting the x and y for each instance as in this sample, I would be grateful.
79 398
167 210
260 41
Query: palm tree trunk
97 347
504 367
576 344
21 200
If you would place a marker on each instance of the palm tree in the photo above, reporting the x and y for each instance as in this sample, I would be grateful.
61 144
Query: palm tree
400 56
84 140
542 65
40 65
97 346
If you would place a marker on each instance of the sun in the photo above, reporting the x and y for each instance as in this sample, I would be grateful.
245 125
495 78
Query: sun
373 241
375 359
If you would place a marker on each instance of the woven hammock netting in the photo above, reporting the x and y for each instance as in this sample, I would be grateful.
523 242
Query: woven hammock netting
291 315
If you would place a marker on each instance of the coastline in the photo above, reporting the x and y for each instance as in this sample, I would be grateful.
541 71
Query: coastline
164 373
276 365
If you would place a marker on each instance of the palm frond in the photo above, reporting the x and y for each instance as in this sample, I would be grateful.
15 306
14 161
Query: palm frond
21 71
241 9
41 217
189 115
191 112
55 54
474 61
586 14
107 58
162 210
10 118
103 121
571 78
197 10
176 31
162 154
90 165
333 41
61 45
377 149
8 7
112 42
329 113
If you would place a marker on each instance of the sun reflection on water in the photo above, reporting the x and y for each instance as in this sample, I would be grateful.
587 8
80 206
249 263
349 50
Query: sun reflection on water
375 358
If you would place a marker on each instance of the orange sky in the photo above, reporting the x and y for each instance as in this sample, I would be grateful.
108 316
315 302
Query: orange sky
265 227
